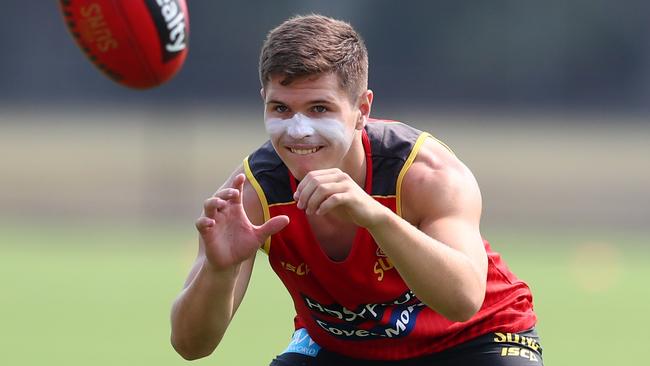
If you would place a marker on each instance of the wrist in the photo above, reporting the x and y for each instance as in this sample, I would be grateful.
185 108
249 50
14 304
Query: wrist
380 219
224 273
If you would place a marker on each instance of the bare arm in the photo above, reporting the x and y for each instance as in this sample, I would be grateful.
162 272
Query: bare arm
442 258
437 247
215 287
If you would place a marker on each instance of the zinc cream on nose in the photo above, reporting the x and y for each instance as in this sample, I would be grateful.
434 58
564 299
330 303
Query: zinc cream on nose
300 126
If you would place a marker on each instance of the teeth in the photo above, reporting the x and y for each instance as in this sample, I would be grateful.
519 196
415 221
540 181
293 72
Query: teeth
304 151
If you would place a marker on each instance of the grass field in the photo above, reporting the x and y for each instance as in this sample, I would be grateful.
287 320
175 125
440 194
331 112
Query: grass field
101 296
97 289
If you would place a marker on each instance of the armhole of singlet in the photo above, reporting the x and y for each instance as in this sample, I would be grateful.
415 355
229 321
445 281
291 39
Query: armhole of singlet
407 164
260 194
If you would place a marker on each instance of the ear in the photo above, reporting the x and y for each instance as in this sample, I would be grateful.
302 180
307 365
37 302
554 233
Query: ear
365 106
262 94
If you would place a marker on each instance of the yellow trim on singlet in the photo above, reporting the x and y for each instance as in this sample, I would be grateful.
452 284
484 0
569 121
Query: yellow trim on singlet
380 196
260 194
409 162
443 144
282 203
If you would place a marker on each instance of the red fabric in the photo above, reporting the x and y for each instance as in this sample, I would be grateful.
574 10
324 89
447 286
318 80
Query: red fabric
306 270
361 307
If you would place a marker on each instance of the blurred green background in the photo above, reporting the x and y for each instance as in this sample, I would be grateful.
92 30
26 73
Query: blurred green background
101 296
98 235
547 103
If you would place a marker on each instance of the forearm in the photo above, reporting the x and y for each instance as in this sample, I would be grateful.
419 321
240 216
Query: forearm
202 312
443 278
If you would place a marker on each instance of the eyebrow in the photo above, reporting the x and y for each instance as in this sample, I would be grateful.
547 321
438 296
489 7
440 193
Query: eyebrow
321 101
317 101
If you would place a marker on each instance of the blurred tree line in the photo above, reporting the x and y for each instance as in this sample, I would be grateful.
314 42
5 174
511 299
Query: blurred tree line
578 53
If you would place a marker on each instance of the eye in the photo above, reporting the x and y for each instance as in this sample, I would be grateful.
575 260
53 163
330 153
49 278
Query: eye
280 108
319 109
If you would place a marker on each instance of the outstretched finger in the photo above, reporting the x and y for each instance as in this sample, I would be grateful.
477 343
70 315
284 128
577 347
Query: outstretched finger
226 193
238 184
204 224
271 227
212 205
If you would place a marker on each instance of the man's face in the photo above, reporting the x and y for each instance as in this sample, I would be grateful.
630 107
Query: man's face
312 122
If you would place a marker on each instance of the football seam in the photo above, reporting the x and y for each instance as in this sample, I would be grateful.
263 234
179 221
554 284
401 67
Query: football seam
72 27
141 57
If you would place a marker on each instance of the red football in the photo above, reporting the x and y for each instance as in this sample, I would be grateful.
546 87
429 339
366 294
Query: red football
138 43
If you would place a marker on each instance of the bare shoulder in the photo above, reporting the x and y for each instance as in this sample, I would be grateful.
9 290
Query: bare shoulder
438 184
252 203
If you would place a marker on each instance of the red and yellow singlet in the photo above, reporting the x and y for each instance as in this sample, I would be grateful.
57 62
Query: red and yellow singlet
360 307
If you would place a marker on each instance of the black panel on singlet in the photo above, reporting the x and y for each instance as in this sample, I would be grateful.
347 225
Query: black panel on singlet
271 174
390 144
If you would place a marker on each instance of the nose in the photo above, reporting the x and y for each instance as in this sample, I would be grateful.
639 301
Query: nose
300 127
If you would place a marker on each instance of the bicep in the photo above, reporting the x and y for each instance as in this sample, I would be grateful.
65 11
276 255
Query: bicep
455 216
460 234
445 203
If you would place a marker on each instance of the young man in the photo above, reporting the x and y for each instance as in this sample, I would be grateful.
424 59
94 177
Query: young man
372 226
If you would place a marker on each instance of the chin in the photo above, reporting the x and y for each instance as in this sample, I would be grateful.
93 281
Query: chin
299 172
301 166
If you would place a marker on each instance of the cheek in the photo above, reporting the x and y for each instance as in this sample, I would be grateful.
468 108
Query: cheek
334 131
275 141
275 128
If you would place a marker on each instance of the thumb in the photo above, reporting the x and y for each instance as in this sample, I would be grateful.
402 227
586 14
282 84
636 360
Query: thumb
272 226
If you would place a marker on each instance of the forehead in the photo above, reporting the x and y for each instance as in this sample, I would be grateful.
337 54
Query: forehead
314 87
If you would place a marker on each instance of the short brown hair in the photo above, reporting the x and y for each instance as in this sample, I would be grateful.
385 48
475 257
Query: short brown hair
316 44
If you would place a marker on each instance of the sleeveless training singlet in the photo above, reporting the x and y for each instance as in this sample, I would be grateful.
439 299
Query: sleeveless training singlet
360 307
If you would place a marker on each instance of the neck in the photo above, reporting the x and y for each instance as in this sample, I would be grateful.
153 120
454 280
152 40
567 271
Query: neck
354 162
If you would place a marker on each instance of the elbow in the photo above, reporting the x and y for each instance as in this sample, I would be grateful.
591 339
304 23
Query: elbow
464 308
188 351
191 344
462 313
191 356
469 298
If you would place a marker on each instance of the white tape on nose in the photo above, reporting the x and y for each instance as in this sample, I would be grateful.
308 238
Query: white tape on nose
300 127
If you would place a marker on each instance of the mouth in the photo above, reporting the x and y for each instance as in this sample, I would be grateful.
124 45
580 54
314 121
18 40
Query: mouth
304 151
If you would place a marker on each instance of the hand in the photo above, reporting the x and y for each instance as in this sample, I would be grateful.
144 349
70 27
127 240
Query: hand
331 191
227 233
